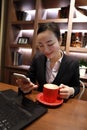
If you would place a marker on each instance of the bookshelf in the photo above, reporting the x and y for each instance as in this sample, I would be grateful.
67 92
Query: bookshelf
23 19
79 25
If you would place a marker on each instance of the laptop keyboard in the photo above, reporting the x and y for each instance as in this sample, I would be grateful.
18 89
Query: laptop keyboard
8 121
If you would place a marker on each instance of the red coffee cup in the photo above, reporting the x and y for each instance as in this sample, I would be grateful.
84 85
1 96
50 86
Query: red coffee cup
50 92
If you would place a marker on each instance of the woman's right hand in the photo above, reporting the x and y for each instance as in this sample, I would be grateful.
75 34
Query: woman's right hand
25 86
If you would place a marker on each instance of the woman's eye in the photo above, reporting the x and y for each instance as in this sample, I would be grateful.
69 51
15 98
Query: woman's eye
40 45
50 44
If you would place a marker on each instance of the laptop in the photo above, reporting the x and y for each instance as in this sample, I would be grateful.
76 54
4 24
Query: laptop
15 115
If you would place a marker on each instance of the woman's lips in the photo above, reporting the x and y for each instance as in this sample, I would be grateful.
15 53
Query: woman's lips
48 54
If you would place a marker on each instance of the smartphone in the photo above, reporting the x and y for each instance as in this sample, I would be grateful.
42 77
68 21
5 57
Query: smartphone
21 76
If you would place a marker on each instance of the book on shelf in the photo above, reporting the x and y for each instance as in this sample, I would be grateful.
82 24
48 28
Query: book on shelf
23 40
64 12
21 15
85 40
16 58
64 37
76 39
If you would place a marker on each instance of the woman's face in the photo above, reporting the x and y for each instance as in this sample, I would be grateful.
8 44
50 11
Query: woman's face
48 44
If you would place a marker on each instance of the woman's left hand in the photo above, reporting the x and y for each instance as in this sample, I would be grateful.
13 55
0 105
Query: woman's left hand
65 91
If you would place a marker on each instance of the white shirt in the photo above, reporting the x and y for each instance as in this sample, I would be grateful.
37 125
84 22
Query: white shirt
51 73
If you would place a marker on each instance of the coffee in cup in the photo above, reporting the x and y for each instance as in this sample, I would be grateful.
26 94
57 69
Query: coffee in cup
50 92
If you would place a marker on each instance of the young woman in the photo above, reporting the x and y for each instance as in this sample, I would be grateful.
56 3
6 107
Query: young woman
51 65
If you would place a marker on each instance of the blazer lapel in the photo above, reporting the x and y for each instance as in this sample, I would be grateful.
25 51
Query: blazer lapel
44 69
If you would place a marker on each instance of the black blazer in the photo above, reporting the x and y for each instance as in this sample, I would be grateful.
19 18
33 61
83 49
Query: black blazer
68 72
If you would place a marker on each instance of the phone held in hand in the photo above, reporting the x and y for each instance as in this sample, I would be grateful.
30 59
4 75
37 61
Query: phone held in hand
21 76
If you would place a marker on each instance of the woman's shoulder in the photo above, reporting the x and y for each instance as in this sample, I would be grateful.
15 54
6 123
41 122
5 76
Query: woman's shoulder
70 59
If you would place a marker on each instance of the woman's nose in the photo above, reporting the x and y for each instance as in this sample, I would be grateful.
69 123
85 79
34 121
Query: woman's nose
46 49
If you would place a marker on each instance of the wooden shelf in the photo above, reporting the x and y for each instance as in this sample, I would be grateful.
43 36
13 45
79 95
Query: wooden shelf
51 4
52 20
20 67
24 24
81 2
78 49
22 46
76 20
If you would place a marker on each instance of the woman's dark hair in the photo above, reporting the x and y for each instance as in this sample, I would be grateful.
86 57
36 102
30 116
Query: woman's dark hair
50 26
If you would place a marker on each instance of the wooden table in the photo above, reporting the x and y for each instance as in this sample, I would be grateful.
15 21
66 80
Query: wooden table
71 115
